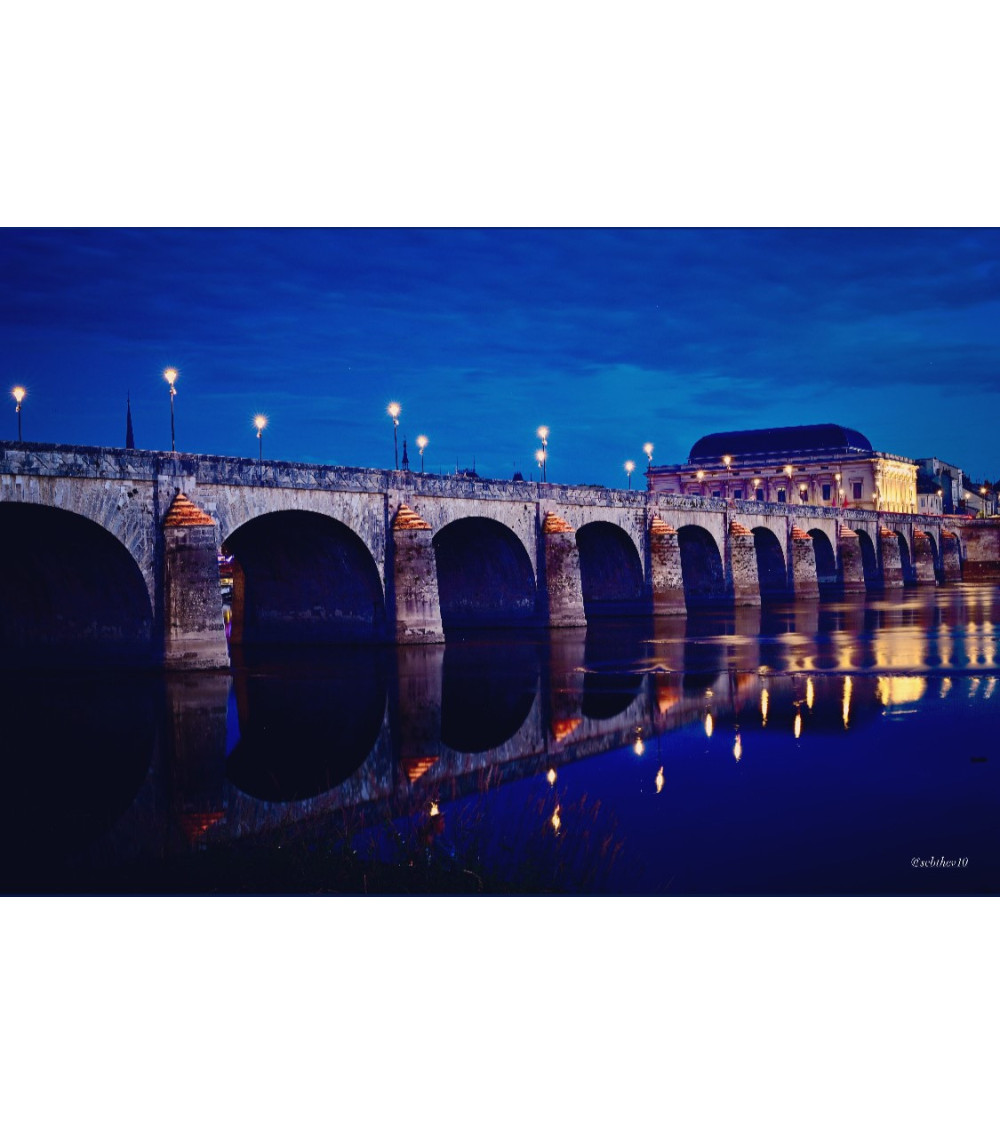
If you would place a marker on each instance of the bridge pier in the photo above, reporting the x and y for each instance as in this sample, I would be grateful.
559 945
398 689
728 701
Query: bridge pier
194 634
923 559
805 581
852 570
743 577
891 560
951 557
563 582
667 577
417 600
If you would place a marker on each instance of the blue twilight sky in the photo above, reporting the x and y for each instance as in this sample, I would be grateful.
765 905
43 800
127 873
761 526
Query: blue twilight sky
611 337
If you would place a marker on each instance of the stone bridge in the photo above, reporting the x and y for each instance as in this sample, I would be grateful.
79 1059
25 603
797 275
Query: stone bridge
111 552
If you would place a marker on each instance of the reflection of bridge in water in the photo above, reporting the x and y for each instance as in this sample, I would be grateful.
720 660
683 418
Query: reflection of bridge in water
153 765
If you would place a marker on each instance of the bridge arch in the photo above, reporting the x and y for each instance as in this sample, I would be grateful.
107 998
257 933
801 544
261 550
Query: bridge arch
485 576
610 570
906 559
75 590
869 558
701 565
826 558
772 569
303 578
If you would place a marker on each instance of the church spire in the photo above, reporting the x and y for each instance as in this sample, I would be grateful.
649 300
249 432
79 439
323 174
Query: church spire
129 436
406 458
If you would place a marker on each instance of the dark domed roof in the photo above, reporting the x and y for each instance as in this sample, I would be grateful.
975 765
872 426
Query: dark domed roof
824 438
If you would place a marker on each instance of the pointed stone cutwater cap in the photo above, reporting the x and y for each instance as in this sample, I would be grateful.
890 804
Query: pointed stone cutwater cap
738 529
918 534
415 768
847 533
948 534
408 520
554 524
659 526
798 533
185 513
887 533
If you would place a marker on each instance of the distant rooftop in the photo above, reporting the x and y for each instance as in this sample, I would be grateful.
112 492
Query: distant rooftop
825 438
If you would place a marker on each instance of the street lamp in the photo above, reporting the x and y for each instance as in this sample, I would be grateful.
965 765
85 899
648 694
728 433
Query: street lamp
727 461
421 445
700 474
789 469
839 490
648 450
394 415
543 433
18 393
630 469
982 492
260 421
170 374
540 458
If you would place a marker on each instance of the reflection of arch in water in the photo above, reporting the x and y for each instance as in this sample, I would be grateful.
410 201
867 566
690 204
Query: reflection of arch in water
869 560
76 751
826 559
701 566
610 683
72 591
303 578
610 571
307 729
487 692
484 574
772 573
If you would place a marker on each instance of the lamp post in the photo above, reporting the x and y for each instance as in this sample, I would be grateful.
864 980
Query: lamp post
727 461
982 492
543 433
700 474
260 421
648 450
838 490
394 415
789 469
630 469
421 445
756 487
18 393
170 374
540 458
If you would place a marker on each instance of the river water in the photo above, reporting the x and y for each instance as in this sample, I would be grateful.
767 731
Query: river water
842 747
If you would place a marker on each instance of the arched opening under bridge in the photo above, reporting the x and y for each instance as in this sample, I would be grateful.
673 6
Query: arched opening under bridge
610 571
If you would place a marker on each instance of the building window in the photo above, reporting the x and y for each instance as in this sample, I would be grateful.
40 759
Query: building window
826 492
804 495
781 496
760 494
857 489
738 494
716 495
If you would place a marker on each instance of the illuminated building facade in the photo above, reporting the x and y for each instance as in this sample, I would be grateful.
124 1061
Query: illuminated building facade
826 465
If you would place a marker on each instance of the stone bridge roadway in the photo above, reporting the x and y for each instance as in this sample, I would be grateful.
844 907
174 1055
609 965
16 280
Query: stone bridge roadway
114 552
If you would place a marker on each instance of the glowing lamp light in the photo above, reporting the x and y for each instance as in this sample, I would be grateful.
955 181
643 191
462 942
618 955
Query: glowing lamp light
648 450
659 780
394 408
421 445
709 725
551 777
543 433
810 693
170 374
738 747
259 422
639 746
434 810
630 469
765 701
798 724
556 820
18 393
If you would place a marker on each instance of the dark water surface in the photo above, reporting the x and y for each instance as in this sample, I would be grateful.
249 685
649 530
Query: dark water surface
844 747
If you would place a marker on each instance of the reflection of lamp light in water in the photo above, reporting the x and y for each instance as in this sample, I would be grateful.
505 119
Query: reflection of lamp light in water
659 779
798 723
846 709
709 725
639 747
556 821
435 811
765 700
810 693
738 747
551 777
